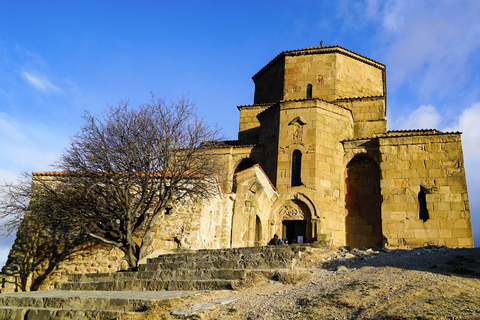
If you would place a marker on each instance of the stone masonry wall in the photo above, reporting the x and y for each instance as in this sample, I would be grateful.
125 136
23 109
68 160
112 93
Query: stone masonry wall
434 162
269 83
332 76
368 114
270 121
322 159
253 208
205 224
249 126
355 78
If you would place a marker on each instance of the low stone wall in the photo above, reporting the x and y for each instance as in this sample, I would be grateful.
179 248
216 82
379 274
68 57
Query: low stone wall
202 225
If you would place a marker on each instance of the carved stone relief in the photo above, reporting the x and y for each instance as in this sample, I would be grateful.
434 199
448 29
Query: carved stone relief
292 211
297 133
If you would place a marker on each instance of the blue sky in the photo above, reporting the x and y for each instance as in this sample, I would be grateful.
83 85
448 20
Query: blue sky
60 58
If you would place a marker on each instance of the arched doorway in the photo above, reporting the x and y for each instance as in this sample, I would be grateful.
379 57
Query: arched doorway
363 203
295 217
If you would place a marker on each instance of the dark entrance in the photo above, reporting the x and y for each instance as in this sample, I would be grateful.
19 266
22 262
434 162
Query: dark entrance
293 229
363 203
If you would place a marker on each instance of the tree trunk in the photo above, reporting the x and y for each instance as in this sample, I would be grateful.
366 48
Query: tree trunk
131 255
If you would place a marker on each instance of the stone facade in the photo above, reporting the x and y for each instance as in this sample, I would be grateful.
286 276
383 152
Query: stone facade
318 125
314 162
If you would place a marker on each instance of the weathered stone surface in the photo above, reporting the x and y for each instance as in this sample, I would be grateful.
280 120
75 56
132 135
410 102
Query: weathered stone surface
185 313
223 300
202 306
65 305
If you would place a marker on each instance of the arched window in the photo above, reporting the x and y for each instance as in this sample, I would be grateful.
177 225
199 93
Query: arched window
309 91
422 202
296 168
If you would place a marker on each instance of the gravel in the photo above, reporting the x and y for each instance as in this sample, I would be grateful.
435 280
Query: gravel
366 283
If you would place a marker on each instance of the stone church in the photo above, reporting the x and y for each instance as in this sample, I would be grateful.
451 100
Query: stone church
315 163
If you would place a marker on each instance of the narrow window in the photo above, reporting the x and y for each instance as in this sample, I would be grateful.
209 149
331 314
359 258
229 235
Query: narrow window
309 91
422 201
296 168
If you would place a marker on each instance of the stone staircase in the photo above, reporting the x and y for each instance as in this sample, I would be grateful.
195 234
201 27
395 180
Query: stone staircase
107 296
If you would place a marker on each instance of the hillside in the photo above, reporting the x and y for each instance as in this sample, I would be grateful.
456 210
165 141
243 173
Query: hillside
345 283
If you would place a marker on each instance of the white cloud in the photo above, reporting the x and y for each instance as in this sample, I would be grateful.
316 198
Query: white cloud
9 129
469 123
40 82
26 146
425 117
431 45
7 176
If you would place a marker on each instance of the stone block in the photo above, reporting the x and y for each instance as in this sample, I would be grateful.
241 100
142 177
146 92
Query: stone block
420 156
434 173
432 224
396 216
465 242
460 224
432 233
393 174
417 164
420 233
442 206
451 242
461 233
445 233
442 215
398 206
454 215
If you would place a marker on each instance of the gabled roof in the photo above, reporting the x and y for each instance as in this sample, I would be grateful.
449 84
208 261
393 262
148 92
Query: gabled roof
320 50
405 133
261 170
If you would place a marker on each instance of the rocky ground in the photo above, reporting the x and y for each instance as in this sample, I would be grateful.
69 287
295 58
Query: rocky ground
346 283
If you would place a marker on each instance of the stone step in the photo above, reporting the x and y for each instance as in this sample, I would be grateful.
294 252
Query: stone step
266 256
69 305
227 264
148 285
266 253
108 296
172 274
64 301
268 259
30 313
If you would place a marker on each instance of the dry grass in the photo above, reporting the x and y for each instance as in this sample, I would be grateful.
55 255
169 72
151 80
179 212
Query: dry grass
294 276
159 310
251 279
390 293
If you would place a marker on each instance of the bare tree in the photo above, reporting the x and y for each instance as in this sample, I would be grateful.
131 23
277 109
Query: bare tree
126 168
14 202
41 243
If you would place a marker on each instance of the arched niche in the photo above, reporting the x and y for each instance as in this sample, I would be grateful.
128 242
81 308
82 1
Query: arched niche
363 203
